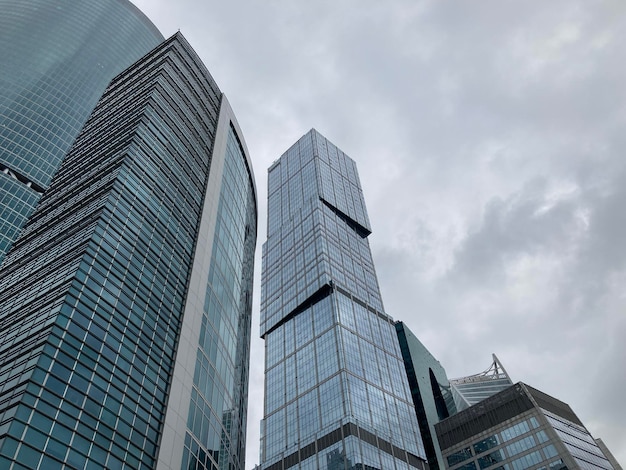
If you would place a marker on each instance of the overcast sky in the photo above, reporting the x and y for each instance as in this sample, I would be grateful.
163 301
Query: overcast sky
490 141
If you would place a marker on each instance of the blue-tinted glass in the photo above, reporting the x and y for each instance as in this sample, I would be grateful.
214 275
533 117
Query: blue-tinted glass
56 61
459 456
577 440
218 413
330 348
527 461
520 445
515 430
110 249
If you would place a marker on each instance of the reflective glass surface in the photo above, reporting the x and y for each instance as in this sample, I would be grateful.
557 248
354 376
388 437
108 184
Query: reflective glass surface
527 461
57 58
486 444
521 445
91 317
535 438
334 369
312 238
16 203
515 430
470 393
519 448
216 425
578 442
430 390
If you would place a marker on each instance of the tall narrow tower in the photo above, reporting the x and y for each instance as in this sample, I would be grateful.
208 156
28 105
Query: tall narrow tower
336 393
125 304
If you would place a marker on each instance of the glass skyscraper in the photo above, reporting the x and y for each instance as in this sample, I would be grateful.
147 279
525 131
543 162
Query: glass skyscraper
336 393
56 59
468 391
125 303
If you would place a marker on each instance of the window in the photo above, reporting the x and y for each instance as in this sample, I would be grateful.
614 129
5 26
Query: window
460 456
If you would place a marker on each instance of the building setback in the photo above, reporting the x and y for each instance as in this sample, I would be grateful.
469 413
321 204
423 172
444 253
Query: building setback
336 393
56 59
125 304
518 428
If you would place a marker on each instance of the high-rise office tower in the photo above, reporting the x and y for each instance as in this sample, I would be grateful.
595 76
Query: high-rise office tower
56 59
519 428
336 393
430 390
468 391
125 304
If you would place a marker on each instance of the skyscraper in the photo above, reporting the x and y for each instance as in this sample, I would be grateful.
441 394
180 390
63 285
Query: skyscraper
516 429
430 391
125 304
468 391
336 394
56 59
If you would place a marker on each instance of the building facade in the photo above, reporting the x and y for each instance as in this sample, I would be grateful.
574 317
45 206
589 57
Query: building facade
608 454
336 394
125 304
56 58
467 391
430 390
519 428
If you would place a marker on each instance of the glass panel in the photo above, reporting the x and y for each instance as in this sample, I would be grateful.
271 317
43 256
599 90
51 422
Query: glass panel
490 459
515 430
459 456
486 444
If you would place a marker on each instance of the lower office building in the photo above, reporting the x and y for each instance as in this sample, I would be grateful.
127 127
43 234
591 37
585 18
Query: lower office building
336 394
125 304
517 429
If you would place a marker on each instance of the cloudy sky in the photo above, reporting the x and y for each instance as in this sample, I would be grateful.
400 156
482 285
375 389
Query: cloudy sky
490 141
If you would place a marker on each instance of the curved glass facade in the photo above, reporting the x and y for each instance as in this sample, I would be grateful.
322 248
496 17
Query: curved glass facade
104 336
216 424
56 57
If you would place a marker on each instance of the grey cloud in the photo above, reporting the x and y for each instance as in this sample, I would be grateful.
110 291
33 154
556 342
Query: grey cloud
527 223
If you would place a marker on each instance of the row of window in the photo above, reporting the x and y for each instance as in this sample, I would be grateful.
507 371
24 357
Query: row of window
510 433
578 441
505 446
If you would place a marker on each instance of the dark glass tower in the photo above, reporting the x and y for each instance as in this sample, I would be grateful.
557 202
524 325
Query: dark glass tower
56 59
430 390
336 393
125 304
